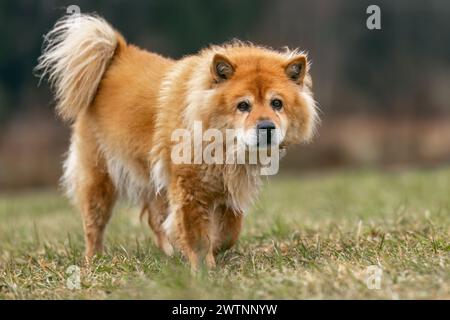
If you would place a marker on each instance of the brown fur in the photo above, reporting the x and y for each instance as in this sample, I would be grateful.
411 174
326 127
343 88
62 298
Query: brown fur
121 140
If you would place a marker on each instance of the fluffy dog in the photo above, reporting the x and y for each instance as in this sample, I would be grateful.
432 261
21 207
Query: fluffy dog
124 103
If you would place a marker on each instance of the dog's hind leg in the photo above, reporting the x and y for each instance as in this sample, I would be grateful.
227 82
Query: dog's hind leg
157 209
87 180
96 207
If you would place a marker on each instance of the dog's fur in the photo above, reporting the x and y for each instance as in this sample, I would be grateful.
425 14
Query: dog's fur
124 103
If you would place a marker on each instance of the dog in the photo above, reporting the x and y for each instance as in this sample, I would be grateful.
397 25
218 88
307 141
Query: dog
124 103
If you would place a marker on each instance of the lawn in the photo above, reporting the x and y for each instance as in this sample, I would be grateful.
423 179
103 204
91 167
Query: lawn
308 237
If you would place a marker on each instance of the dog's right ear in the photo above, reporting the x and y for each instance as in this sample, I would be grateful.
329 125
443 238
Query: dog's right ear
221 68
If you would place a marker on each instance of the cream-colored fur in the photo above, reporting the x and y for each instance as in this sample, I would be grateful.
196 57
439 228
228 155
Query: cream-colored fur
76 53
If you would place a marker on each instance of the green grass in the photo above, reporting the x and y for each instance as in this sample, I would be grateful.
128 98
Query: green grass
307 237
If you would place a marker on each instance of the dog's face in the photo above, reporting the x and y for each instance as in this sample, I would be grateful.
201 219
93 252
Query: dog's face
265 95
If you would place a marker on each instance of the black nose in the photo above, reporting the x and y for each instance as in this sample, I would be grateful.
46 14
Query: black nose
264 130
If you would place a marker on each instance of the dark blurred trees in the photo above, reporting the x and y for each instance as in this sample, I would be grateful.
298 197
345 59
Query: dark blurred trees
402 69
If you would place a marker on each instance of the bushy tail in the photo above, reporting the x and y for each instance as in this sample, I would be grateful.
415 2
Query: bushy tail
75 55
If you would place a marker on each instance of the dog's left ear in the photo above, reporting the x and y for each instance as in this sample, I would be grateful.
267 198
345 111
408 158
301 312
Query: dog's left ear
295 69
221 68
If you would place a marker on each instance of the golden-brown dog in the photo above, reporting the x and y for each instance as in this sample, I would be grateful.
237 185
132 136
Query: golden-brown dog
125 103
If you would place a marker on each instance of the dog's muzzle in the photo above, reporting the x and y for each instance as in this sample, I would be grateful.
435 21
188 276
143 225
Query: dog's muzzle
265 131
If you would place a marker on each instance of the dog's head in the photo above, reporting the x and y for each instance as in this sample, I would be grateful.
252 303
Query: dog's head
264 94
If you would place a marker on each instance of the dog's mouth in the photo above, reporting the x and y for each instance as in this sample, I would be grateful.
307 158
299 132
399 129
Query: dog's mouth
263 137
266 138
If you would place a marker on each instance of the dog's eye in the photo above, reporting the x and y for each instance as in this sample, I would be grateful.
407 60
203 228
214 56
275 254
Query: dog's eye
243 106
277 104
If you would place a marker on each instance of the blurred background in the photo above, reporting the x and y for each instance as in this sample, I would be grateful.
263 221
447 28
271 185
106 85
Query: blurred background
384 94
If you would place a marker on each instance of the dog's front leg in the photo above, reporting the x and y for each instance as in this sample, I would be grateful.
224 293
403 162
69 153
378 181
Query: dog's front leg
189 227
196 242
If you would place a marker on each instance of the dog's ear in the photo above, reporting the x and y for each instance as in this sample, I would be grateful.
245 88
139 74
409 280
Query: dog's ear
221 68
295 68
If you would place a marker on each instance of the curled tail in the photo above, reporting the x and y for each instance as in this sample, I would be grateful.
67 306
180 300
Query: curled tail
76 53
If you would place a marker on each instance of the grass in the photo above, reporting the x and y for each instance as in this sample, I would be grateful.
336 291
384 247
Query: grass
307 237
